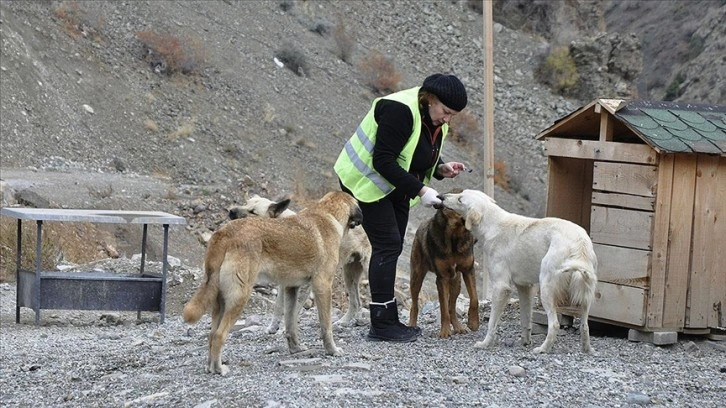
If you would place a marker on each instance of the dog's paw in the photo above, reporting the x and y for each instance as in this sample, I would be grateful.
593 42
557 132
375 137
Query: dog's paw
540 350
220 369
483 344
335 352
272 328
297 348
346 321
444 332
588 350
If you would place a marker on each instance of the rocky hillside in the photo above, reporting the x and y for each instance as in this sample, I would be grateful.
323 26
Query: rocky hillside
212 100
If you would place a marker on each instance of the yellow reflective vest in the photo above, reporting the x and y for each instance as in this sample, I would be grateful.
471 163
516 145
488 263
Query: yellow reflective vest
354 166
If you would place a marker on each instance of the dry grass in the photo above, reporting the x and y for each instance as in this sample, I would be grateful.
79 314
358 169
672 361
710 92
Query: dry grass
345 40
379 72
151 126
185 130
78 21
293 59
169 54
464 128
501 177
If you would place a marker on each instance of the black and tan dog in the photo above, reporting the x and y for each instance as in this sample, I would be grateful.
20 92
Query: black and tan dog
445 247
289 251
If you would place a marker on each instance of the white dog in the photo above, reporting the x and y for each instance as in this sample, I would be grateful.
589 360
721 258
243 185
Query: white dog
355 255
523 252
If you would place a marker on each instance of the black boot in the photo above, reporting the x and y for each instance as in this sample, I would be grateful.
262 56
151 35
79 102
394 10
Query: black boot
385 325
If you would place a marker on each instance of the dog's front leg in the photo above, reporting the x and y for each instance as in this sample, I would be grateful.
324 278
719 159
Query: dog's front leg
500 295
324 300
291 320
469 276
454 290
442 286
277 315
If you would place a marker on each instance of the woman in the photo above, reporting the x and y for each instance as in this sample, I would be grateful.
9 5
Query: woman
386 165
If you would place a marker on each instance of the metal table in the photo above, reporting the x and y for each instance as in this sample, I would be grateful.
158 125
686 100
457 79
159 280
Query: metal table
39 289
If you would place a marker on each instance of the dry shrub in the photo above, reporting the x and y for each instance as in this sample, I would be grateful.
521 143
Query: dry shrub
501 177
151 126
345 41
74 242
79 21
464 128
169 54
185 130
379 72
293 59
558 71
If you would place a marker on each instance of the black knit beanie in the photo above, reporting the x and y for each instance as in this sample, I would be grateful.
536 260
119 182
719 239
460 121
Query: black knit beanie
448 89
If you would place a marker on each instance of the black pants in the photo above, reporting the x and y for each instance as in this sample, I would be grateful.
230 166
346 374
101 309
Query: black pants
384 221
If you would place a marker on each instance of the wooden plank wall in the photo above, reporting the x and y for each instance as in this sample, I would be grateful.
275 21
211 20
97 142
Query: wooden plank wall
659 259
679 234
707 281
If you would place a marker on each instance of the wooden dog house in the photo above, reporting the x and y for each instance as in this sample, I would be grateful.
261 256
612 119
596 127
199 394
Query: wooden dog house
647 180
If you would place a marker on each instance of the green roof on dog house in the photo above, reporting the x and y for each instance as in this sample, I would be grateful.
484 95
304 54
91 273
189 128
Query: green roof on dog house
647 180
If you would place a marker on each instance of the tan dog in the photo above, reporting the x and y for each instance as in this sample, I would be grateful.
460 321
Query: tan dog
355 255
523 252
444 246
289 251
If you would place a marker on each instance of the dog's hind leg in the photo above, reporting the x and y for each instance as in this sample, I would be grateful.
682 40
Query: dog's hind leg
526 298
352 272
217 312
500 295
547 293
233 302
292 314
585 329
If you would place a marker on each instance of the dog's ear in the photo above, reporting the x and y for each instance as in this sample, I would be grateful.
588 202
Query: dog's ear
473 218
275 209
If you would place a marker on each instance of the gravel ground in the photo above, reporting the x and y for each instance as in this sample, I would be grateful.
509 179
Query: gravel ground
109 359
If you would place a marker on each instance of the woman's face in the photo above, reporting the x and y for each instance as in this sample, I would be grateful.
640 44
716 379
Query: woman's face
439 113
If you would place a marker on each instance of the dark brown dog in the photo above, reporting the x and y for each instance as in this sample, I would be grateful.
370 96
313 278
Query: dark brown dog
445 247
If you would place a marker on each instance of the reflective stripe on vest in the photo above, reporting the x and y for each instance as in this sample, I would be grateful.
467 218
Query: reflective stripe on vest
362 167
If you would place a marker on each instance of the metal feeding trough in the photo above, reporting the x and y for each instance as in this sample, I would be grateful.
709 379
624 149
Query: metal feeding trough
38 289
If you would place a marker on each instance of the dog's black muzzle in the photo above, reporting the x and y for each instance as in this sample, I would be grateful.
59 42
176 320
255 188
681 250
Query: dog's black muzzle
237 213
356 217
439 206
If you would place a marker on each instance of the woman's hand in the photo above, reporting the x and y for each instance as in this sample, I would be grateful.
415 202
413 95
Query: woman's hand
429 197
450 169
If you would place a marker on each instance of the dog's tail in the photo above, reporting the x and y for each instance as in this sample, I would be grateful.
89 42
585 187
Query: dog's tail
579 278
582 286
197 306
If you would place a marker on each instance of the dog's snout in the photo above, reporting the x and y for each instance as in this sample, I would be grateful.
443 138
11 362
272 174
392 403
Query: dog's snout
236 213
356 218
